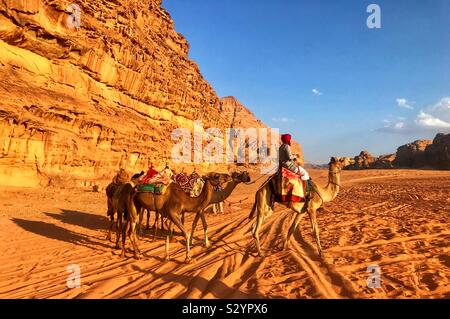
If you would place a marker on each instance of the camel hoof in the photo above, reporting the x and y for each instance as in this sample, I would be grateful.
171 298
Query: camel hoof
137 256
188 260
262 255
207 245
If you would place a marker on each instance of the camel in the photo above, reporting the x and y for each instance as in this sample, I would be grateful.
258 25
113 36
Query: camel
118 182
219 196
174 202
263 206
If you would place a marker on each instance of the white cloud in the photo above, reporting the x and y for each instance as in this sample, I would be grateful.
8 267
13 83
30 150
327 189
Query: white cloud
429 121
434 118
404 103
317 92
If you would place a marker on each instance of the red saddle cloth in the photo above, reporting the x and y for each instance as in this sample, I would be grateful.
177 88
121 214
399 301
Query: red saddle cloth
186 182
293 188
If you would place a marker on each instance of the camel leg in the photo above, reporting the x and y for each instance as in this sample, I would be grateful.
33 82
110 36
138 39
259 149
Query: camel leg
194 225
141 217
133 239
256 234
119 230
295 223
148 220
177 222
182 218
109 236
168 243
125 229
315 228
205 229
155 226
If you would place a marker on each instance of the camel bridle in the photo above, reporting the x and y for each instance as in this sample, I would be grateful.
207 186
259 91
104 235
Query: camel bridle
335 172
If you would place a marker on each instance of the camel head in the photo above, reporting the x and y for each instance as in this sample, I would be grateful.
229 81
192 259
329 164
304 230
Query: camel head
216 178
240 177
336 164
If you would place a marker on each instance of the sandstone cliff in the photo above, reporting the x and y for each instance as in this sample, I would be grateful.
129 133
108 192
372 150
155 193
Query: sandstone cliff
412 154
80 102
418 154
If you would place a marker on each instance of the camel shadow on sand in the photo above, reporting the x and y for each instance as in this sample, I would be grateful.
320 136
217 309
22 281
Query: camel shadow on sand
81 219
53 231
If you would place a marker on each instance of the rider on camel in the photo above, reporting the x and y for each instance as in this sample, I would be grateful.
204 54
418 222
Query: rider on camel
149 175
288 160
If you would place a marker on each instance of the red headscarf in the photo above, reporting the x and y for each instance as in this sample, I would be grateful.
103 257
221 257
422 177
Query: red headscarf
286 139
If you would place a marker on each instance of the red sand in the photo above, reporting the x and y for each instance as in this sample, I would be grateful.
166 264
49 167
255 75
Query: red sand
395 219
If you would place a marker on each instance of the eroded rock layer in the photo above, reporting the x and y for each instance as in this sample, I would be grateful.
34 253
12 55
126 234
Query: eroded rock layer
80 101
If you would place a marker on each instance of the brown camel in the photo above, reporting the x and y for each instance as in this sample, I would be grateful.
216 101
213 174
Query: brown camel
263 206
115 206
219 196
118 181
174 202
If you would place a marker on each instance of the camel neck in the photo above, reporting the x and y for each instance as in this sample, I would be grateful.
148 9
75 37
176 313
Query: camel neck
201 201
330 192
220 196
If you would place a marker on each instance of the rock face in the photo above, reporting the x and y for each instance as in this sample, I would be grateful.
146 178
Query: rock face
384 161
412 154
437 154
80 102
419 154
365 161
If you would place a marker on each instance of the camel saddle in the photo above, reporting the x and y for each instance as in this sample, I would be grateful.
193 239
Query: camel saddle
191 184
288 187
157 189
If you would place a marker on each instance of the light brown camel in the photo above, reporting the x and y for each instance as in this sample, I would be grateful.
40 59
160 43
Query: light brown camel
263 206
219 196
174 202
118 181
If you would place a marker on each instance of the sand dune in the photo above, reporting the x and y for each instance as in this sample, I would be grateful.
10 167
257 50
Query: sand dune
396 219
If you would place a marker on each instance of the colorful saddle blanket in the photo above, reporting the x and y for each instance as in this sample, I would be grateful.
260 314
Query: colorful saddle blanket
163 177
291 188
191 184
151 188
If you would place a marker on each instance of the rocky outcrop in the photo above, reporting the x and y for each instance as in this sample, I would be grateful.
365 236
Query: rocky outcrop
418 154
384 161
363 161
437 154
366 161
412 154
80 102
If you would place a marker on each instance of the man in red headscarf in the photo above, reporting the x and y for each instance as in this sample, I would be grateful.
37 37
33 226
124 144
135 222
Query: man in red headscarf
149 175
288 160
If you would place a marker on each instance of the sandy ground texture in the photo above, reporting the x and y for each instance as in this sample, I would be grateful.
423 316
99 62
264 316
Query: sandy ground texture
397 220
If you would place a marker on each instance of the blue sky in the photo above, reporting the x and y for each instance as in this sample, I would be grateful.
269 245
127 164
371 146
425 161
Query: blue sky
375 89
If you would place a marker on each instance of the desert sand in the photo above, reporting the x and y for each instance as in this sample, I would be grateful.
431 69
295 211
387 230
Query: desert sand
395 219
